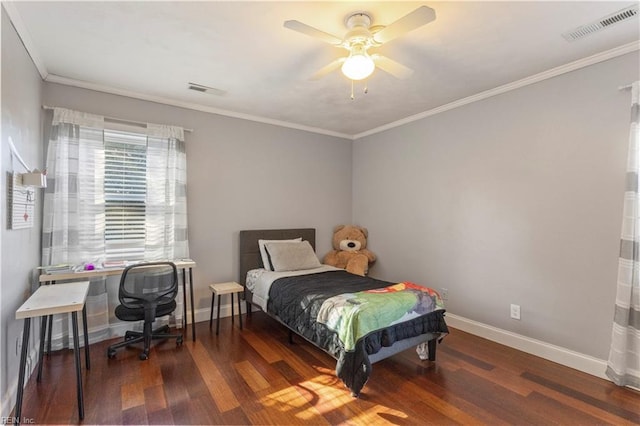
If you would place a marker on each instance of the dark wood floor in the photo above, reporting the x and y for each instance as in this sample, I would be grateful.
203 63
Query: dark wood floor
255 377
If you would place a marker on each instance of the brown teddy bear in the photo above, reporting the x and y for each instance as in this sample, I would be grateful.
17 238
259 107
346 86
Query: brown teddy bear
350 250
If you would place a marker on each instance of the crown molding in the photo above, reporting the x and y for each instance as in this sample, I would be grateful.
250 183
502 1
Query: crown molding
24 35
52 78
553 72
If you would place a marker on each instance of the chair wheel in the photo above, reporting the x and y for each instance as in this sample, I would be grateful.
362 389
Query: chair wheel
144 356
111 354
179 341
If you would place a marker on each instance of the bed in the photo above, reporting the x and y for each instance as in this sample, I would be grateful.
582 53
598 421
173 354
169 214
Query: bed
323 304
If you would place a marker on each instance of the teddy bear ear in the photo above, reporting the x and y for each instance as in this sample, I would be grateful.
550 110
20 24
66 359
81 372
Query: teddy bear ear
337 228
364 231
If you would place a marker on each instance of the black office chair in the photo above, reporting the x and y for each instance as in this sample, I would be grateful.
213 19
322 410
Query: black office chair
147 291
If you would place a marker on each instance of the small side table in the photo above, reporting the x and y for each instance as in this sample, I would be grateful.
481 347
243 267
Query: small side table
220 289
49 300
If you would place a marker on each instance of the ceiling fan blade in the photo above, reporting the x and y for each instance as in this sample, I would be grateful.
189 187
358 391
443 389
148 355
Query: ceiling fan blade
419 17
327 69
394 68
313 32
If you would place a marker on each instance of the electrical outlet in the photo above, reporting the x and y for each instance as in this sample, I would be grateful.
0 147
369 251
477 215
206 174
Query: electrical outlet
444 293
515 311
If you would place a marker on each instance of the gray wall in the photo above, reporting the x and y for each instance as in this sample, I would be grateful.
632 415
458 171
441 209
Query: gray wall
240 175
21 99
513 199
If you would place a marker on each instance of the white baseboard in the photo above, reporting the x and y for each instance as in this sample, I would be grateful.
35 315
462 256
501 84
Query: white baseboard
563 356
225 311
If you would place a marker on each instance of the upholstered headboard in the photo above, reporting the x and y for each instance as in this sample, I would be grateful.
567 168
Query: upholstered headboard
250 253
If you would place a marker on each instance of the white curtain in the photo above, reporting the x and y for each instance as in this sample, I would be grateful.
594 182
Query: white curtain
73 223
74 211
166 204
624 357
74 215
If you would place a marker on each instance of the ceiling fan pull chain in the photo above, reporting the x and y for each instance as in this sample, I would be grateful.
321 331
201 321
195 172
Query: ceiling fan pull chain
366 88
352 96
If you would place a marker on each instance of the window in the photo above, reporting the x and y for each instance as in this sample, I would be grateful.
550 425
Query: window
125 189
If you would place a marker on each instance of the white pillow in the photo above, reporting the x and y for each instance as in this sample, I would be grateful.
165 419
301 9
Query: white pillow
292 256
263 251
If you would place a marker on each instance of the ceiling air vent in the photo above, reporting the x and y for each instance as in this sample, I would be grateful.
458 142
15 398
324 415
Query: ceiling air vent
602 23
206 89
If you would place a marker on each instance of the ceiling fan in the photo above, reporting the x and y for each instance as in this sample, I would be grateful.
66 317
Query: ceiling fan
361 37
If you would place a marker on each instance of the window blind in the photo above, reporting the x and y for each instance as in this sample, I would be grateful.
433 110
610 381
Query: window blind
125 188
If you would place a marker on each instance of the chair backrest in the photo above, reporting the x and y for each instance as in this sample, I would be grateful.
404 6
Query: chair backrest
148 282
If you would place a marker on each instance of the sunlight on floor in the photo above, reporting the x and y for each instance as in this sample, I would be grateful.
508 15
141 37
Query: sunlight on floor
290 399
322 395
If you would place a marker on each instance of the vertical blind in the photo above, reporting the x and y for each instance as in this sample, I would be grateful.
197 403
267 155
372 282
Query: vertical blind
125 188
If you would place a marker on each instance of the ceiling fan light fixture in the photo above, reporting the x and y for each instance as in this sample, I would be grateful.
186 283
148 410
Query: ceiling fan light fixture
360 37
358 65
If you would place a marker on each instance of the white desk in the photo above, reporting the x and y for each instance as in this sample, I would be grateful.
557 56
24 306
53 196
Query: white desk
46 301
184 265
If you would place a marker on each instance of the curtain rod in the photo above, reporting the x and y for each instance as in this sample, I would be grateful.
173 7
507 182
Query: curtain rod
139 123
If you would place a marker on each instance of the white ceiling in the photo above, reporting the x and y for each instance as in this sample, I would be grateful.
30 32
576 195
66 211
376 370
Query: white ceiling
152 50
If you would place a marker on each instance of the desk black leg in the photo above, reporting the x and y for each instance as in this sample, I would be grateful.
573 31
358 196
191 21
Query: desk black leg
232 313
213 298
43 333
184 301
193 308
23 365
86 337
50 319
239 310
218 319
50 329
76 352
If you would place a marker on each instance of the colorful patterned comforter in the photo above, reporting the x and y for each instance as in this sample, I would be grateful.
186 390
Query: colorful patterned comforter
354 315
350 316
